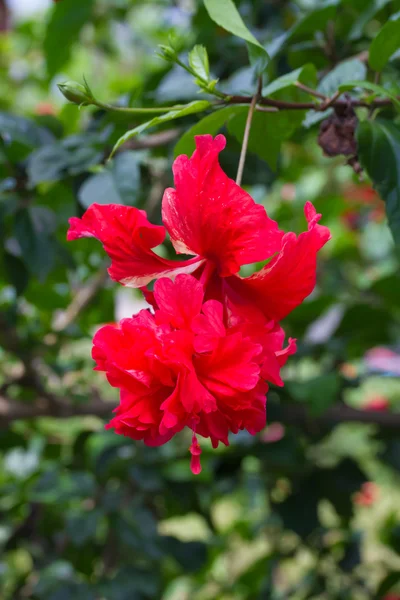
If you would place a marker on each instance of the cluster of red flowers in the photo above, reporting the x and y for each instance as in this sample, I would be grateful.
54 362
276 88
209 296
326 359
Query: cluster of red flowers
203 356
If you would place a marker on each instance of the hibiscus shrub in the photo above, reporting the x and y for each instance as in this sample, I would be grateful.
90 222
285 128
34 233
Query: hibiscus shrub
244 300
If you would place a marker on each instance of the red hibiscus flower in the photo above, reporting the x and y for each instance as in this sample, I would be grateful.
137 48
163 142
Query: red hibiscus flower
209 216
183 367
203 358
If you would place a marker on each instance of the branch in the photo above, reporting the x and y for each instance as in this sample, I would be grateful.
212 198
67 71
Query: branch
83 297
338 413
317 106
293 414
11 410
151 141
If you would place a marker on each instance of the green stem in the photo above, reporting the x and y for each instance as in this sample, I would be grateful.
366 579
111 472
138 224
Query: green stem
214 92
138 111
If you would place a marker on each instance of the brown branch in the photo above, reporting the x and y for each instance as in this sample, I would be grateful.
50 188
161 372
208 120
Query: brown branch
318 106
293 414
338 413
310 91
81 300
11 410
151 141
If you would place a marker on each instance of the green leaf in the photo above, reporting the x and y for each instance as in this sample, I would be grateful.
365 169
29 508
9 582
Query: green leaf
379 153
290 79
258 57
191 108
71 156
350 85
33 230
313 21
190 555
344 72
24 131
198 60
210 124
117 184
63 28
367 14
386 42
17 273
225 14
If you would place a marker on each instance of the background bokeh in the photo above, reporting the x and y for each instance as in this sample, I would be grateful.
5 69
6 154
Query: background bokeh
307 509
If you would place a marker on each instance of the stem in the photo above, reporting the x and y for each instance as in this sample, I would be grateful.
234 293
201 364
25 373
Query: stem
310 91
267 109
205 82
377 77
138 111
331 101
247 132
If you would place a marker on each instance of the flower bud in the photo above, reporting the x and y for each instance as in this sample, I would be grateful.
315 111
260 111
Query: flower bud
76 93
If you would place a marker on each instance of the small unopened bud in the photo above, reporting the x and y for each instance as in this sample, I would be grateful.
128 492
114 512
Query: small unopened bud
167 53
76 93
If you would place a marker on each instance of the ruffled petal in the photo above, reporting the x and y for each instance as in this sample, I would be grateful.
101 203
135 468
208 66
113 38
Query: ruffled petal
179 301
209 215
290 276
127 237
209 326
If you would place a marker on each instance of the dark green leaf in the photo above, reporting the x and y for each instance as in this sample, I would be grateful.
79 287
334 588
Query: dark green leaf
379 153
190 555
315 20
23 131
369 11
117 184
17 273
33 230
346 71
386 42
307 73
63 28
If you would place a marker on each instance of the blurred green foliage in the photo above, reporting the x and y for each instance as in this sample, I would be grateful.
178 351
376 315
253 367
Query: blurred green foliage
88 515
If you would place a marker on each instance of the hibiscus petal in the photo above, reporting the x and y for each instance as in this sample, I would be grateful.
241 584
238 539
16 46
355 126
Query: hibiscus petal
127 237
274 362
209 215
209 326
290 277
179 301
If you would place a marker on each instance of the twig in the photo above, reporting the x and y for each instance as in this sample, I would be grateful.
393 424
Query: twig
81 300
330 101
334 101
339 413
151 141
247 133
310 91
266 109
289 414
11 410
